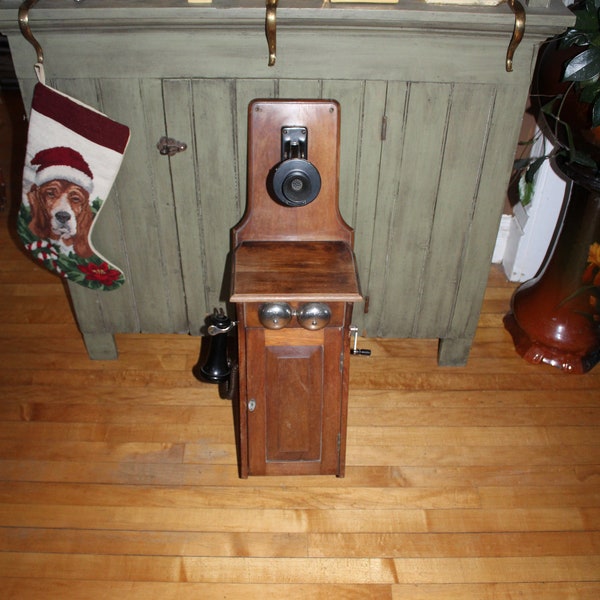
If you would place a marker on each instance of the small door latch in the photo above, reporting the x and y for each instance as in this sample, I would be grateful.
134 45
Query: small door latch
168 146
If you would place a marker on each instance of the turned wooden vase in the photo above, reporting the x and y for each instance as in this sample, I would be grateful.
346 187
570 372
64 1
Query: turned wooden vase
555 317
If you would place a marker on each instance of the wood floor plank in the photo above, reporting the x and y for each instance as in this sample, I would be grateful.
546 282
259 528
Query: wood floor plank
114 433
460 417
547 591
432 545
152 543
218 519
148 473
447 455
374 417
299 570
444 398
189 395
60 589
293 497
120 404
65 451
484 436
156 425
393 520
97 412
424 379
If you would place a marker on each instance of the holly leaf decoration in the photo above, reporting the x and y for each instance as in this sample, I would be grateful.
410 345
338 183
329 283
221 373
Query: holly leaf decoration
96 205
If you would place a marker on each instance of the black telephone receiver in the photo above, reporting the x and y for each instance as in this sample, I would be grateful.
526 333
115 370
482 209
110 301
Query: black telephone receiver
295 181
218 367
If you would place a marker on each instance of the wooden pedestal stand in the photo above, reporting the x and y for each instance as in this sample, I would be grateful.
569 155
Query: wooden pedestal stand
293 381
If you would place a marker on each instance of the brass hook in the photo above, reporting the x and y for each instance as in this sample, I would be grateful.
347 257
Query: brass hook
518 31
26 30
271 29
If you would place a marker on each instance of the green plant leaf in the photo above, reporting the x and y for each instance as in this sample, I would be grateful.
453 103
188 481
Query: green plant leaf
528 142
534 168
584 66
525 191
573 37
596 113
570 143
521 163
548 108
589 91
586 16
581 158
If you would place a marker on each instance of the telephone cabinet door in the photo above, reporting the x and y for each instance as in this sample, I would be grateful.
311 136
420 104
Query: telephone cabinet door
294 401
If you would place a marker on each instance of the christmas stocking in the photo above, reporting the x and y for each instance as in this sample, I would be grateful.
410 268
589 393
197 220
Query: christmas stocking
73 156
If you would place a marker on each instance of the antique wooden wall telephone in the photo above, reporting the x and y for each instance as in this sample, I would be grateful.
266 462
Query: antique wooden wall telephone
294 283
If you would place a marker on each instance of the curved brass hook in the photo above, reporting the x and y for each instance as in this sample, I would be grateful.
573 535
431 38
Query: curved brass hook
26 30
271 29
518 31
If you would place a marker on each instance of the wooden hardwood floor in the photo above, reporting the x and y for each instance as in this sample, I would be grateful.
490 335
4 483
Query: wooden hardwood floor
119 479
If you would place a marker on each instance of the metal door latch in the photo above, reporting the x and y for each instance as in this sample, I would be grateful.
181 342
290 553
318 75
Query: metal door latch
168 146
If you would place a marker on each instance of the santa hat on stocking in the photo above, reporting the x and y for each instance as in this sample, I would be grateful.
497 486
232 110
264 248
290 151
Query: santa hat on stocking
62 163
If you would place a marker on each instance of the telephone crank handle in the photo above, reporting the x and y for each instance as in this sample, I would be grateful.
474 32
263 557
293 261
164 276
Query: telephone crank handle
354 350
361 352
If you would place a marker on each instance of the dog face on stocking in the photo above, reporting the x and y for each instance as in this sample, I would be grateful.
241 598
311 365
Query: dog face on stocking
61 211
60 199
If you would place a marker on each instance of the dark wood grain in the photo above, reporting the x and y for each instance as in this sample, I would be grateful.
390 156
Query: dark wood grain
271 271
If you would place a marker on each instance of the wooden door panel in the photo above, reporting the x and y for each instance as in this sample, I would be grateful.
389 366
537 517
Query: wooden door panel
294 402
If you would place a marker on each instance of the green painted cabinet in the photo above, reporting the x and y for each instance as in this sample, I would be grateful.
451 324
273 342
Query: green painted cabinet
430 119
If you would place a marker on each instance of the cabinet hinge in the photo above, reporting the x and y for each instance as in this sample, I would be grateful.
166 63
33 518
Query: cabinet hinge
341 362
366 304
339 442
383 127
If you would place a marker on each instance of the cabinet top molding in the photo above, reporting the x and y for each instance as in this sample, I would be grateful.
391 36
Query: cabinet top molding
406 14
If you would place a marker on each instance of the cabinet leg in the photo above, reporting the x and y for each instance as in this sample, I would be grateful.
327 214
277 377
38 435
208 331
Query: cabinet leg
101 346
454 352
